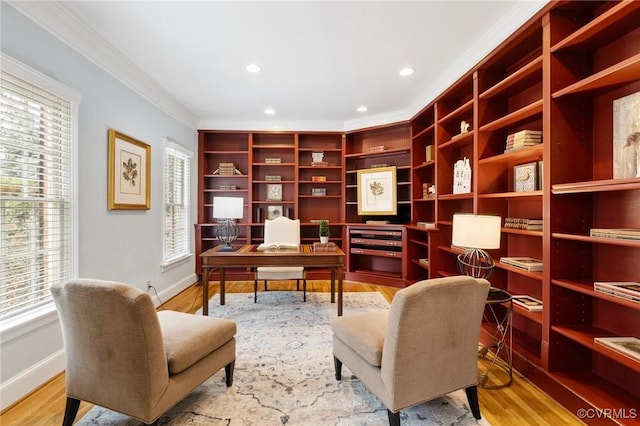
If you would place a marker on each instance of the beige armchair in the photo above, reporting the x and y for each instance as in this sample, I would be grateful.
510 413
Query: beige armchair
123 355
286 232
424 347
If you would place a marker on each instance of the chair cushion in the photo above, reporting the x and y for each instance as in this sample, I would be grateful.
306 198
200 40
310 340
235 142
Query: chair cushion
364 333
189 338
280 272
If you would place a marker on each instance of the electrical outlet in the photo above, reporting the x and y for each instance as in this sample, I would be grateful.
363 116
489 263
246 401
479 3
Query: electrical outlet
149 285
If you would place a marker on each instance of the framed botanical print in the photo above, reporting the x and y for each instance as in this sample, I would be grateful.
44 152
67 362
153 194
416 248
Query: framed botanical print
128 174
377 191
274 191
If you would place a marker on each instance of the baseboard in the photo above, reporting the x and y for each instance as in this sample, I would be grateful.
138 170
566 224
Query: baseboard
29 380
174 290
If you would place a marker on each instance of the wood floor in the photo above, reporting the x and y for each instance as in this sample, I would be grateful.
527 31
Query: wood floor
521 403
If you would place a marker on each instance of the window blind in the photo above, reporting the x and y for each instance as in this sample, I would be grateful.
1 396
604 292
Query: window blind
36 135
177 165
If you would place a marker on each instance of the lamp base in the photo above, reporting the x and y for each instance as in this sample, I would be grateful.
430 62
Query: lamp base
226 247
227 232
476 263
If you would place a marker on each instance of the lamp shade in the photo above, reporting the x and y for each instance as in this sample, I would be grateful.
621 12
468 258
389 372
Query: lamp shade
476 231
228 207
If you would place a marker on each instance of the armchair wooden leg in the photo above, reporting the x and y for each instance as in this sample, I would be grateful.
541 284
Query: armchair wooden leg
394 418
255 291
304 290
472 397
70 411
228 371
265 285
338 366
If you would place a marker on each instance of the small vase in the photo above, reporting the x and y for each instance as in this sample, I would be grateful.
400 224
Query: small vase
324 240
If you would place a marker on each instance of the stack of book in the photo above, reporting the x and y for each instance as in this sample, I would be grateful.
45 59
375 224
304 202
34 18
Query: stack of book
319 163
228 187
523 139
424 261
429 153
528 264
272 160
273 178
330 246
523 223
628 290
625 234
425 190
318 178
527 302
627 346
226 169
426 225
378 148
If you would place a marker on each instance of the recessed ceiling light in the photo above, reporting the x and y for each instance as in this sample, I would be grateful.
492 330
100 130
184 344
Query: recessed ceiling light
406 71
362 109
269 111
253 68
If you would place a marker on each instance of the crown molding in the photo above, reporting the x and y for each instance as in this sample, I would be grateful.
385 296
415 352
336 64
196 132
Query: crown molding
57 20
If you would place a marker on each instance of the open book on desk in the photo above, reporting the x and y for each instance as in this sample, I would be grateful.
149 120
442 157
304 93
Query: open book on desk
278 246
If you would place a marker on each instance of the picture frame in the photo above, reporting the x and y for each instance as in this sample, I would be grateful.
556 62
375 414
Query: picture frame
626 137
274 192
274 212
377 193
128 173
525 177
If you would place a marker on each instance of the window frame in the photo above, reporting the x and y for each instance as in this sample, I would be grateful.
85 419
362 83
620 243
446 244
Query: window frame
174 149
15 325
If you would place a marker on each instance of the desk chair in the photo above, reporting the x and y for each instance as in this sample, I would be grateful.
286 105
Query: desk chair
281 230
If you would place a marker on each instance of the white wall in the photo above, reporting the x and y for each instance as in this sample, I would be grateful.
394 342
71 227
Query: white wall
114 245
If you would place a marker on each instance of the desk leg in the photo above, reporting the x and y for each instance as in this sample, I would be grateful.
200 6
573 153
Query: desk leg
340 290
205 290
222 289
333 285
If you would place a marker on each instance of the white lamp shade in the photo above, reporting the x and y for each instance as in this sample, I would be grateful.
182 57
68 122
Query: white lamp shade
228 207
476 231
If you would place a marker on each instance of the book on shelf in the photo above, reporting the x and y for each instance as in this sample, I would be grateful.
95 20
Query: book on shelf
429 153
273 178
321 247
318 178
377 222
319 163
621 233
277 246
522 139
527 302
424 261
523 223
227 187
426 225
628 346
628 290
272 160
378 148
528 264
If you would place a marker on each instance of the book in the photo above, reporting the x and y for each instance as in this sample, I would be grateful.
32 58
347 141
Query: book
523 223
528 264
628 346
626 290
622 233
424 261
529 303
319 163
330 246
318 178
379 148
426 225
277 246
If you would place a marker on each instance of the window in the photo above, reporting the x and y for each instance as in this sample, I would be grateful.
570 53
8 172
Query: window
37 182
177 164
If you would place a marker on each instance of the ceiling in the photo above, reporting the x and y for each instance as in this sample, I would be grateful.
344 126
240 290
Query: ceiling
319 60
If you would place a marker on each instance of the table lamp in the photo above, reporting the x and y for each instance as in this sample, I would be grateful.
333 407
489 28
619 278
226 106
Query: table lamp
475 233
227 210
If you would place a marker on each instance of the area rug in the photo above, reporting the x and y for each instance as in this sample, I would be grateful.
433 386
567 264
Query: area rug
284 372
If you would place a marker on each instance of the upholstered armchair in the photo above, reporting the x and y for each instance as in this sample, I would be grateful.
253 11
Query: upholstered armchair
123 355
424 347
285 232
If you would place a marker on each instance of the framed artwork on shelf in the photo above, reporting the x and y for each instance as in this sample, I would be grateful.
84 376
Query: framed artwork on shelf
274 212
377 191
525 177
274 192
128 174
626 137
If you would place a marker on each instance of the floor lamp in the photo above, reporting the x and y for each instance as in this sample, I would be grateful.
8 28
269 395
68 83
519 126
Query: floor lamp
475 233
227 210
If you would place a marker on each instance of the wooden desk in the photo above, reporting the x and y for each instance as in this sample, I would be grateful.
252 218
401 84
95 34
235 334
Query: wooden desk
248 257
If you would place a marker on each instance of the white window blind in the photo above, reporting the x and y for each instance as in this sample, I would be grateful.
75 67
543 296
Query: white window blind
177 164
36 186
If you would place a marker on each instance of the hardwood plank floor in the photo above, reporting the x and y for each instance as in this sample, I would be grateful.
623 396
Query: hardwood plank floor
521 403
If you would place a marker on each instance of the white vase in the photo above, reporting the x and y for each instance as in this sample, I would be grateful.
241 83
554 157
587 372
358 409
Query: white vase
324 239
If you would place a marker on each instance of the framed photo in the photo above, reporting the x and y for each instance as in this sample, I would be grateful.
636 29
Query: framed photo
129 173
274 191
274 212
377 191
525 177
626 137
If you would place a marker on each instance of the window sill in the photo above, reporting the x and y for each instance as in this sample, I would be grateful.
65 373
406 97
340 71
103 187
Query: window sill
174 263
25 323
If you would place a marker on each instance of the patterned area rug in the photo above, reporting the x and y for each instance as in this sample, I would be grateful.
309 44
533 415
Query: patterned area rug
284 372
